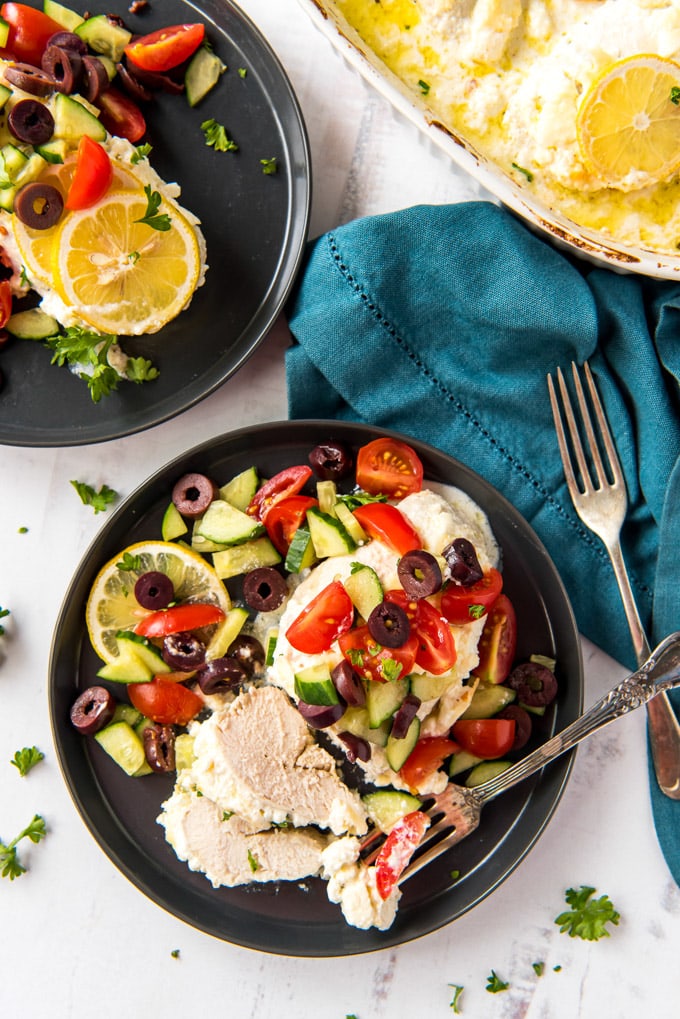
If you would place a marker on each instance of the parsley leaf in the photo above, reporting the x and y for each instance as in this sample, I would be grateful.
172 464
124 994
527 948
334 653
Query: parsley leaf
424 87
9 863
3 613
88 352
140 152
587 917
457 991
157 221
253 861
495 984
129 563
216 136
26 758
360 498
269 166
520 169
175 953
97 500
538 968
675 95
391 669
139 370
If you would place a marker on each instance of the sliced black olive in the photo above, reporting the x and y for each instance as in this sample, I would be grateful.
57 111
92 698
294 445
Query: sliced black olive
193 493
159 746
248 652
264 589
183 652
65 67
462 562
132 85
349 685
222 674
34 80
68 41
38 205
92 710
320 716
358 749
389 625
95 79
31 122
522 720
331 461
154 590
535 684
419 573
155 80
404 715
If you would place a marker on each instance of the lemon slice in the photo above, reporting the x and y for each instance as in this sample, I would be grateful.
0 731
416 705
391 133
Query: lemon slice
35 246
628 123
123 276
112 606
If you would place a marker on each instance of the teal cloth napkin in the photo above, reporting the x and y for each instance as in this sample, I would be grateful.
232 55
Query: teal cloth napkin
442 322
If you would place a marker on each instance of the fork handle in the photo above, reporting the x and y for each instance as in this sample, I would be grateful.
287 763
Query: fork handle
660 672
637 633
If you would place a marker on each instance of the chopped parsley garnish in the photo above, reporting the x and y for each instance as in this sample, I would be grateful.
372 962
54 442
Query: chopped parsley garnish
495 984
3 614
424 86
9 863
538 968
216 136
26 758
527 173
675 95
455 1001
587 917
242 72
226 814
454 875
476 611
269 166
129 563
157 221
391 669
90 497
360 498
355 655
88 352
253 861
140 152
140 369
175 953
23 530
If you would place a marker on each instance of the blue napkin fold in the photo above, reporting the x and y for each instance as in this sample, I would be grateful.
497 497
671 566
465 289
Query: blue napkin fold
442 322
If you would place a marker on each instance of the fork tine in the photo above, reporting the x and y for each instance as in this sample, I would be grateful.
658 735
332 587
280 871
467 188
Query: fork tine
605 432
569 475
574 434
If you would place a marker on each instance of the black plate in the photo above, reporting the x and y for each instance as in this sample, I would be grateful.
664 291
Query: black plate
282 918
255 227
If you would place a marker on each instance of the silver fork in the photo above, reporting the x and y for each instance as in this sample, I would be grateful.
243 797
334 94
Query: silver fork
456 812
602 508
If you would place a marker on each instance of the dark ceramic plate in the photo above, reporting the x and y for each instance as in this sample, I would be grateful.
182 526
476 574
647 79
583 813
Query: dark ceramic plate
285 918
255 227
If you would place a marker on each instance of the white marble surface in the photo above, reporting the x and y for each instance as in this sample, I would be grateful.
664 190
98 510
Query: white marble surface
79 940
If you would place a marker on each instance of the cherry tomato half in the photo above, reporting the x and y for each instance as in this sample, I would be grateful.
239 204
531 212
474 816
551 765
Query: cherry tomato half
121 116
179 618
436 645
328 615
427 756
373 661
386 523
498 642
165 703
389 467
287 482
29 31
463 604
166 48
397 850
284 518
92 176
488 738
5 302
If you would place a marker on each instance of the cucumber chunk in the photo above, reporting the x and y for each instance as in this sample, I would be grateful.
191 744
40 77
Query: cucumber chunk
462 761
173 525
241 489
63 16
315 686
364 588
487 700
226 525
355 720
485 771
350 523
202 74
32 324
122 743
227 631
104 35
184 751
133 644
387 806
328 535
397 751
301 554
72 119
426 687
270 648
327 494
127 668
383 699
126 713
231 562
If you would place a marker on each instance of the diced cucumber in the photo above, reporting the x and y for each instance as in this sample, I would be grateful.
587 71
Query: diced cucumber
226 525
549 663
355 720
202 74
203 545
72 119
488 699
54 151
270 648
184 751
126 713
231 562
7 198
301 554
227 631
315 686
122 743
462 761
104 35
328 535
13 160
173 524
387 806
32 324
142 725
383 699
427 687
397 751
4 34
350 523
31 170
364 588
327 494
5 92
130 643
485 771
533 709
63 16
127 668
241 489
